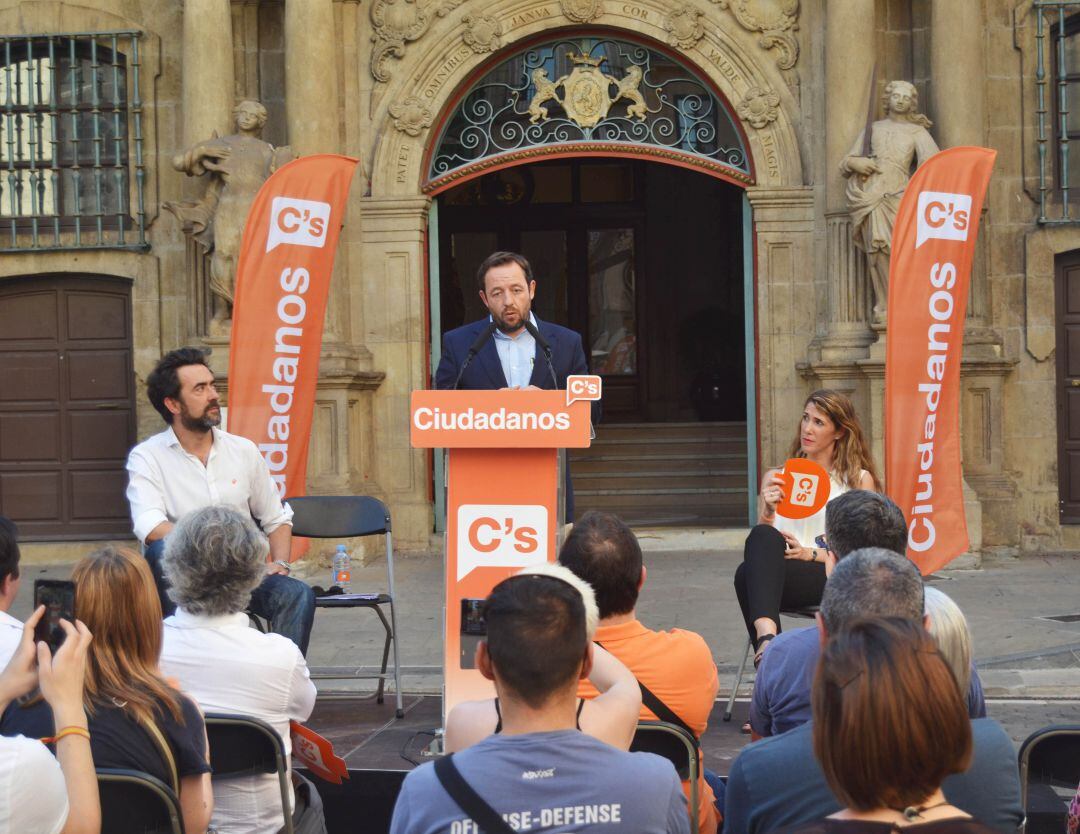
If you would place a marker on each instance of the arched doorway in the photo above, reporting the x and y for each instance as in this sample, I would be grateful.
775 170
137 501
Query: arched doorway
620 174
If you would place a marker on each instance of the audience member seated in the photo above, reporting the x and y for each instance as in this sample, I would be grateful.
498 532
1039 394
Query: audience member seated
42 794
10 629
137 720
540 772
611 716
948 626
213 559
884 679
675 666
777 782
781 698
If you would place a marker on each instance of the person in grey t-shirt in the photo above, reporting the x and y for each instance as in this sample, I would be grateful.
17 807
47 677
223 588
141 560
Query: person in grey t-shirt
538 771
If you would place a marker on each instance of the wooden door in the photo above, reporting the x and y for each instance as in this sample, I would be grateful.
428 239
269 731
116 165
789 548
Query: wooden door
67 407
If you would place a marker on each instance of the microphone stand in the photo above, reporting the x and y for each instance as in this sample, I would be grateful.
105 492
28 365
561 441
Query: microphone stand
546 348
485 334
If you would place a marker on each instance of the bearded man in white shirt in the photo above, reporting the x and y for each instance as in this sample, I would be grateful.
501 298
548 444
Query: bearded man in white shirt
194 464
213 560
10 629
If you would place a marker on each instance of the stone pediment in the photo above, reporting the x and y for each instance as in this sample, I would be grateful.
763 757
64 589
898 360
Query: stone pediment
398 23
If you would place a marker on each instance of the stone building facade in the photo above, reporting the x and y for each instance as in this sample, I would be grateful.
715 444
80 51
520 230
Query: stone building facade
380 79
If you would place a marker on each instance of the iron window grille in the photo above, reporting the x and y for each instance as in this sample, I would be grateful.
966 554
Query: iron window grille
72 174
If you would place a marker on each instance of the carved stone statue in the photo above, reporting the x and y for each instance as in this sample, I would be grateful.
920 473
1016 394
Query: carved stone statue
235 167
876 181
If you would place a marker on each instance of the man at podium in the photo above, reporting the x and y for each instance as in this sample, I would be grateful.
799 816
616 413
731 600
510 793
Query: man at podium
511 348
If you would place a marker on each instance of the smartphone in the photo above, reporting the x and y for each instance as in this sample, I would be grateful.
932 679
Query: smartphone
58 597
820 542
473 630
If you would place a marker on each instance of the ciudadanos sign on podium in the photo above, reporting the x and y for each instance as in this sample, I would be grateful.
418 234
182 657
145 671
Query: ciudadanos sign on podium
503 497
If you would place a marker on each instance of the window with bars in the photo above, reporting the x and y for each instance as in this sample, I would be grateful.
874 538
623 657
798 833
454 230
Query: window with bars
71 172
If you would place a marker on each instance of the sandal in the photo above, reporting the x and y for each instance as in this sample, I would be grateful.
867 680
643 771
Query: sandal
759 648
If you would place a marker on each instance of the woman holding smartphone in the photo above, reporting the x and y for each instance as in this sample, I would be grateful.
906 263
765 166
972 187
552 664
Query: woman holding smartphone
784 559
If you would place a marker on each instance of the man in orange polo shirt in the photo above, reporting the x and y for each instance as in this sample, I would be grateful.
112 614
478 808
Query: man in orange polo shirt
676 666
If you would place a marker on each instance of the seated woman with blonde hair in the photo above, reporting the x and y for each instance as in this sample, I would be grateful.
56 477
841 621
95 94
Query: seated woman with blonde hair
137 721
889 726
610 717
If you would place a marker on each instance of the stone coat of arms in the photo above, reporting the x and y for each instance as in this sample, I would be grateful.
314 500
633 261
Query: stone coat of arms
587 95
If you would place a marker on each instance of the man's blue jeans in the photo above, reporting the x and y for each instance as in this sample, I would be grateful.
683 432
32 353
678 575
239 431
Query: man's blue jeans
287 603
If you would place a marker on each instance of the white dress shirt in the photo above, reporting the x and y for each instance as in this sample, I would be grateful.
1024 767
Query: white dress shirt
10 636
165 482
33 794
227 666
516 355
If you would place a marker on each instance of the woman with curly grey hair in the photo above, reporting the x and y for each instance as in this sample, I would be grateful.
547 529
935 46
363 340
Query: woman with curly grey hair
213 559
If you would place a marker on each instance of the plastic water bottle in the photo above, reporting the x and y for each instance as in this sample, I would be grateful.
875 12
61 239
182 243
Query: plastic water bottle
342 569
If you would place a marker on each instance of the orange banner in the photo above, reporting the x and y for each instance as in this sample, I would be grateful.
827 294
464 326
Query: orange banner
282 283
933 246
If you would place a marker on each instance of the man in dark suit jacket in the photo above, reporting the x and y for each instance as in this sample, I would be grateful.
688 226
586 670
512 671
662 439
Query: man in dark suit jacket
511 357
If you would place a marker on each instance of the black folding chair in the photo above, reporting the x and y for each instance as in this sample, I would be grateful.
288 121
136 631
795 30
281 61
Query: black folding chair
241 745
1049 774
345 517
672 742
133 802
808 612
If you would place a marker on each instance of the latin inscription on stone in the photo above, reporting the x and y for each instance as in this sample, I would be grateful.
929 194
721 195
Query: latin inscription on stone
403 164
725 66
530 16
772 161
635 11
456 59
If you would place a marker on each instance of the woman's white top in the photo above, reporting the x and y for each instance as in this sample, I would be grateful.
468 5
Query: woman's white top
808 529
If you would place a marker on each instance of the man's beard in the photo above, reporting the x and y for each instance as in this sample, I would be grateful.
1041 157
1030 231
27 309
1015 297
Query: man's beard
203 424
500 322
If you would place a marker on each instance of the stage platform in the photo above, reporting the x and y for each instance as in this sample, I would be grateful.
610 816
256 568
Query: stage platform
379 749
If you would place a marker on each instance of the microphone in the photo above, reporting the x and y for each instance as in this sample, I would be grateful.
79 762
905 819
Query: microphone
545 347
485 334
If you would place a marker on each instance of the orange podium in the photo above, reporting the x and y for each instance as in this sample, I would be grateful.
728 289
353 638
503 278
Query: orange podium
504 501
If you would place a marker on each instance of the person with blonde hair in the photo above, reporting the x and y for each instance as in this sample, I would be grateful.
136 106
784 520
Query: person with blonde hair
783 566
949 628
136 719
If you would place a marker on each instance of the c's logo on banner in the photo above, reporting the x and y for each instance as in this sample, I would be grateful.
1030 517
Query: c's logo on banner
583 387
302 222
942 216
807 486
500 536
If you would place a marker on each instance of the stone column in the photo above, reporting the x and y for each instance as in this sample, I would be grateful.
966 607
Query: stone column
207 54
311 92
849 61
958 75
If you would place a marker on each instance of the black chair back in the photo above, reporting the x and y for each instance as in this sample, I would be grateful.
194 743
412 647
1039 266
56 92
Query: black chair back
338 516
133 802
669 741
1049 772
241 745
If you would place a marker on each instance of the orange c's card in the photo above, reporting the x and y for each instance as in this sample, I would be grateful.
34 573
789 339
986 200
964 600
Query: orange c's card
807 486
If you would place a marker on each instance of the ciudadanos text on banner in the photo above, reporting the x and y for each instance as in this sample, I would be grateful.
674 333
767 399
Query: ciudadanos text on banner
282 284
932 249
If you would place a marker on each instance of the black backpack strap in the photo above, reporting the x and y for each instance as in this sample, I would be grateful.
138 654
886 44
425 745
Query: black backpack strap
469 800
662 710
658 707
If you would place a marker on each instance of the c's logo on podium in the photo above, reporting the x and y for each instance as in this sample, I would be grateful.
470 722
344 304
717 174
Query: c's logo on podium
500 536
583 387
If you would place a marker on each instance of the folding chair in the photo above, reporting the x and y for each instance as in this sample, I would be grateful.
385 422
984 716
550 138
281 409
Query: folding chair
808 612
133 802
672 742
344 517
241 745
1049 762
